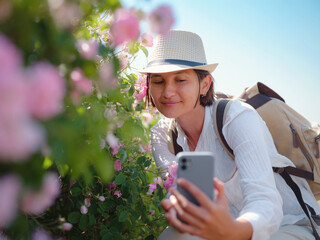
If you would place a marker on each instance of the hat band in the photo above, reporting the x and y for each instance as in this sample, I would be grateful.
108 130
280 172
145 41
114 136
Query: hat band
175 61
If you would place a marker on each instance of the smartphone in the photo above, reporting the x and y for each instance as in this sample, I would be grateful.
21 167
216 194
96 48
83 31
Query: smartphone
197 167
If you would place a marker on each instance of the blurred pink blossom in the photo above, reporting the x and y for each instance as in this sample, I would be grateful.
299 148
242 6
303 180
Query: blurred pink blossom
107 78
113 142
87 202
173 169
19 138
10 57
152 212
38 202
125 47
41 234
117 193
82 84
152 187
147 40
102 143
117 165
66 226
161 20
125 27
110 113
101 198
123 58
147 148
88 49
9 191
46 91
168 183
112 186
142 93
157 180
83 209
147 117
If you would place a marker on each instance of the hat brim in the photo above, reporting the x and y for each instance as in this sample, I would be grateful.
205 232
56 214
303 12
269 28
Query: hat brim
173 68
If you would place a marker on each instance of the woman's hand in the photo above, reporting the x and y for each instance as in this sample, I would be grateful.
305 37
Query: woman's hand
210 220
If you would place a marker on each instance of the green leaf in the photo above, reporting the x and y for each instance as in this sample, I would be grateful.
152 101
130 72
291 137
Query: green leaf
83 224
123 216
75 191
123 155
145 51
74 217
120 179
107 236
141 159
150 237
92 220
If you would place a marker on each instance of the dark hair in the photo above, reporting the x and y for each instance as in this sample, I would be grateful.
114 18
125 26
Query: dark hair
205 100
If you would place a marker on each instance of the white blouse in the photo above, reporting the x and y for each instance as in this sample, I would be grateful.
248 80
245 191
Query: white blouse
253 191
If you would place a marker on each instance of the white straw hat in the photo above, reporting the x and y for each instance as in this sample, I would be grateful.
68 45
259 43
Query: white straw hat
175 51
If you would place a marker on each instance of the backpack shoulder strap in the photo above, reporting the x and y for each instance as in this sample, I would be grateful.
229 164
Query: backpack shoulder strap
220 109
173 146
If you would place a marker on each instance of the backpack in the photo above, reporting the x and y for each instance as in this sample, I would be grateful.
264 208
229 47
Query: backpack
294 136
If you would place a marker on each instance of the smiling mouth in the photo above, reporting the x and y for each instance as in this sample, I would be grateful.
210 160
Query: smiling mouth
169 104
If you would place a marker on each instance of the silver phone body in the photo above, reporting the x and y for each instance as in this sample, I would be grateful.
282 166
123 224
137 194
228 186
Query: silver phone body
197 167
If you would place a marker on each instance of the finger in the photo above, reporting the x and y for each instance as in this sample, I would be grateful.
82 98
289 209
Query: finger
220 192
184 205
175 204
180 226
166 204
200 196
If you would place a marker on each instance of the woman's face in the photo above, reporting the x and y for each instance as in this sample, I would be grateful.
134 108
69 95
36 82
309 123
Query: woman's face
176 93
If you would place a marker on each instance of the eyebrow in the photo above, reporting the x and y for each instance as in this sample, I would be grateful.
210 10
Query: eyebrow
158 75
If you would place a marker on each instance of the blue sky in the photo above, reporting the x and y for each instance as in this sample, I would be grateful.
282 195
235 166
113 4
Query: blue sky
276 42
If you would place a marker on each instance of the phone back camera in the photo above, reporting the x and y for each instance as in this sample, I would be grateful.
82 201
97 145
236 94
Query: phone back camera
183 160
183 167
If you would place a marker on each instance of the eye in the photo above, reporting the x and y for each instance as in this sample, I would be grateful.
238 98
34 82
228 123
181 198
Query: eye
181 80
157 82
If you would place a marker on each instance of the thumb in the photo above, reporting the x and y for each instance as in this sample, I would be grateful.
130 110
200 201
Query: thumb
219 187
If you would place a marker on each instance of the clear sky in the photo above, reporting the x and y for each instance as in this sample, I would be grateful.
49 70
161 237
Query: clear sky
276 42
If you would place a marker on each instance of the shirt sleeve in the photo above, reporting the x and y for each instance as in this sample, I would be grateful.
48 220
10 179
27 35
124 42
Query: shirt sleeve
247 135
161 153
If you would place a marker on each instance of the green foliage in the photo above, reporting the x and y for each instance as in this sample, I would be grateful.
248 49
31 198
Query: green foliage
75 138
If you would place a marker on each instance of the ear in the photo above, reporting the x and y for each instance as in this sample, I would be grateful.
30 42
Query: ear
205 84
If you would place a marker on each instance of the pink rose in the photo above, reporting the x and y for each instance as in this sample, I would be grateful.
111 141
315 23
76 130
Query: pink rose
82 84
9 191
41 234
168 183
87 202
113 143
10 57
147 40
117 193
173 169
125 27
123 58
101 198
112 186
117 165
157 180
38 202
152 187
46 91
142 93
107 79
66 226
83 209
152 212
161 20
19 138
88 49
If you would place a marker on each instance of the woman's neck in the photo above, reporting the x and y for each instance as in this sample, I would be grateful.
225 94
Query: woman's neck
192 124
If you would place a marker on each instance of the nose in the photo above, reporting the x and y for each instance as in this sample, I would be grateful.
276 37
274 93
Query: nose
169 90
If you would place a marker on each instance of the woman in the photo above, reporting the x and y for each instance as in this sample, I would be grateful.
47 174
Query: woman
252 202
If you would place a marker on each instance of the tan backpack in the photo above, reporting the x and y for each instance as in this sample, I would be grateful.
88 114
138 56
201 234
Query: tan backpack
294 136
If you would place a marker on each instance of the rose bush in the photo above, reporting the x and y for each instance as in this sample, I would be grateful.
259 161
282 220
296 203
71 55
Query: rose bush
75 159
